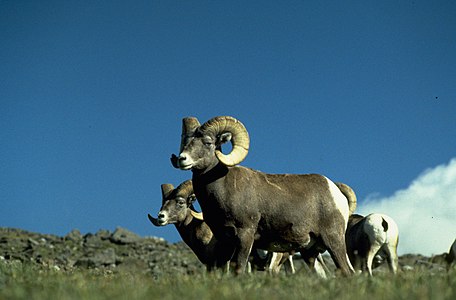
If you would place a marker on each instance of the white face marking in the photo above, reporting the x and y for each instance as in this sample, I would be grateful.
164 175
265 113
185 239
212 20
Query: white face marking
185 162
339 199
162 218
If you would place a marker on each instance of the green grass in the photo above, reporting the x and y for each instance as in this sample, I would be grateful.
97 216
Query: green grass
22 281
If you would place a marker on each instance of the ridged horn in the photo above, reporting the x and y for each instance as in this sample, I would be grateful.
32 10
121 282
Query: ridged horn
189 125
166 189
240 138
185 188
349 194
197 215
153 220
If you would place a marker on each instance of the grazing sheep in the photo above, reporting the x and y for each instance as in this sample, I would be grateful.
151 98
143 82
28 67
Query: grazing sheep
278 212
375 236
177 208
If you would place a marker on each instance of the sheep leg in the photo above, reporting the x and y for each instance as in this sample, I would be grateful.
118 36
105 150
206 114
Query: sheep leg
244 243
274 262
371 254
224 252
310 257
321 263
289 268
392 258
357 263
335 244
319 269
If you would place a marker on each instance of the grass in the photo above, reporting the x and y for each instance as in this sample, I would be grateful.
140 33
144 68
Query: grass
24 281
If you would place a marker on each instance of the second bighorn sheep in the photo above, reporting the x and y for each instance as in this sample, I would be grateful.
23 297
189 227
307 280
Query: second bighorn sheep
371 236
177 208
451 257
279 212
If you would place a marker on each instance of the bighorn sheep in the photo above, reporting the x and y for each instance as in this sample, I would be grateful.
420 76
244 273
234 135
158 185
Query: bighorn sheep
369 237
177 208
279 212
451 257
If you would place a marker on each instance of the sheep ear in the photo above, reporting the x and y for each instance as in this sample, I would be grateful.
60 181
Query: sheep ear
224 138
191 199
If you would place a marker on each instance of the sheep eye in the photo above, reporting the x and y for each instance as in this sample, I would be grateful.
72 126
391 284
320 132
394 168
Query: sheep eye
207 142
181 202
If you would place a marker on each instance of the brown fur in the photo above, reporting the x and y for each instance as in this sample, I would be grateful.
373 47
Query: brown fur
197 234
279 213
193 230
357 242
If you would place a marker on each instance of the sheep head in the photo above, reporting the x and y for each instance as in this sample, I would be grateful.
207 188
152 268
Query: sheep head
201 145
175 204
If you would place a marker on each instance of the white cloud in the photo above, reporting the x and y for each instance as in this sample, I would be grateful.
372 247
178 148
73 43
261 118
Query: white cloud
425 211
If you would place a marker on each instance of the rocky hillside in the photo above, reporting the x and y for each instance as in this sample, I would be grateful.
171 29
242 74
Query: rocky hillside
125 251
121 250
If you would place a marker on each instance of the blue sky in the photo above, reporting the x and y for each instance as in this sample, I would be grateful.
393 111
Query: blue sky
92 94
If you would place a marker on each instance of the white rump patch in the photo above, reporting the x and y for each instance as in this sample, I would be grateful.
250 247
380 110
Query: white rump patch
374 228
340 200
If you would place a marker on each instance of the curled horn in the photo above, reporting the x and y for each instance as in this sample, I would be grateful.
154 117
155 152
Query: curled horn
197 215
166 189
240 138
186 188
189 126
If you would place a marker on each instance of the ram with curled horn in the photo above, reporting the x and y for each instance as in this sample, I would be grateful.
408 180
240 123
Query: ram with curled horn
242 206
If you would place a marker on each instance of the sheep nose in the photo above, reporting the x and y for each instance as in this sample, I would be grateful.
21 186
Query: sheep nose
182 157
161 215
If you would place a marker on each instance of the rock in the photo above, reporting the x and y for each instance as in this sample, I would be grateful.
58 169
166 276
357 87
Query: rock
407 268
92 241
125 251
32 242
103 234
123 236
74 235
106 257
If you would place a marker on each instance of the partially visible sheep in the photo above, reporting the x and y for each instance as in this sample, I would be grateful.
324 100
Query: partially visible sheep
177 208
451 257
272 262
372 237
